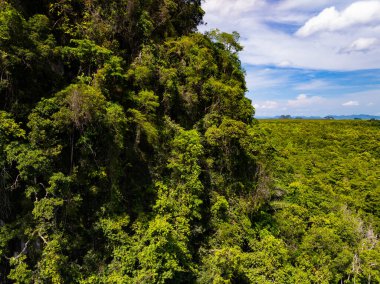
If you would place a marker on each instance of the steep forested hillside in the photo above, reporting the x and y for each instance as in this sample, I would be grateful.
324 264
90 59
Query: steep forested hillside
129 154
125 149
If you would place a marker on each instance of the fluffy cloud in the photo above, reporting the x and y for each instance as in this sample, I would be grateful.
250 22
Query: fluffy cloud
362 45
331 65
231 7
301 4
351 103
312 85
316 105
268 30
303 100
358 13
267 105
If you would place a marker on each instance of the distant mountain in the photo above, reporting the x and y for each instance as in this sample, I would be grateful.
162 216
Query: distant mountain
356 116
337 117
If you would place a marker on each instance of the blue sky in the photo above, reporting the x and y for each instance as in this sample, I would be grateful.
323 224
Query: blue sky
305 57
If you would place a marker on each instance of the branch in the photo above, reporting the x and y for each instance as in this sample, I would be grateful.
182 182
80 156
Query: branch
22 251
14 185
42 238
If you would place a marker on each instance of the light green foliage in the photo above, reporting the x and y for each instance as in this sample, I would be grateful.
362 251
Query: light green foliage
146 101
229 41
322 249
82 104
223 266
268 261
180 195
165 253
220 208
53 263
30 162
113 228
45 208
144 114
292 220
21 273
326 170
9 129
369 255
129 154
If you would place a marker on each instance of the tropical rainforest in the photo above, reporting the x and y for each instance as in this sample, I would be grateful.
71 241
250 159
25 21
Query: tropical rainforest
130 154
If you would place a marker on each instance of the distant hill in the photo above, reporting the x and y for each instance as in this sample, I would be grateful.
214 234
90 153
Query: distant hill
337 117
354 116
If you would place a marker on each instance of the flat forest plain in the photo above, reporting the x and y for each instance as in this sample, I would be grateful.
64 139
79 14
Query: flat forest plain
326 203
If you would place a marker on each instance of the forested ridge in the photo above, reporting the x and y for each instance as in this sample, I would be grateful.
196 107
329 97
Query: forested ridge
130 154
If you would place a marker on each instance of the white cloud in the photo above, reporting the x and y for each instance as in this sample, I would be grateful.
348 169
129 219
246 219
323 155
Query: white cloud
351 103
330 19
323 106
268 28
231 7
301 4
362 45
278 62
285 63
318 23
264 78
267 105
312 85
303 100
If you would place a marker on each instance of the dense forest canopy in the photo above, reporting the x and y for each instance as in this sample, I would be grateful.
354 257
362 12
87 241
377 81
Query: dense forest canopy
129 154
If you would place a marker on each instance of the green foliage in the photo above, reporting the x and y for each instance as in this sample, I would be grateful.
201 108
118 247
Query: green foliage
27 56
9 131
89 55
129 154
229 41
165 254
268 261
21 273
223 266
325 172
